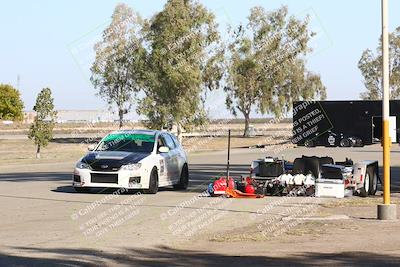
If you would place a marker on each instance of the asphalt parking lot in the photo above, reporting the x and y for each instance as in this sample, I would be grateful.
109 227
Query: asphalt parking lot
44 222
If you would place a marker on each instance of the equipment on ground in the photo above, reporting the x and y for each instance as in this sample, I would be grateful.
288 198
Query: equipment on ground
319 176
227 186
305 176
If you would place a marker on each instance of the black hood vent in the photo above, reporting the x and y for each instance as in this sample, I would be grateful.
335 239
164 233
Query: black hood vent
111 161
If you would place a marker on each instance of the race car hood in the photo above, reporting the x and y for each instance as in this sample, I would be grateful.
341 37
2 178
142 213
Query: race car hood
112 160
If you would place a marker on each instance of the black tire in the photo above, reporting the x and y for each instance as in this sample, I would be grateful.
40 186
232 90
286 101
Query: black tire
366 185
312 165
184 180
153 184
358 142
309 143
276 190
82 189
345 142
373 181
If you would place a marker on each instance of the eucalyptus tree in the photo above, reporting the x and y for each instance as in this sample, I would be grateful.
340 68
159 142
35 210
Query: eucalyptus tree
184 59
370 65
118 66
266 67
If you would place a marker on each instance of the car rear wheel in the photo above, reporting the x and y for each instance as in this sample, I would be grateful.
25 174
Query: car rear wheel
153 183
184 180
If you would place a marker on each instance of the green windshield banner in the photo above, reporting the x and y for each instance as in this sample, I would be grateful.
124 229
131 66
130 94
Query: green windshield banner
129 137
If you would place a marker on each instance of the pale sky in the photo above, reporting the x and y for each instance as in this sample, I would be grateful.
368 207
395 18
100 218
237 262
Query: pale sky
50 43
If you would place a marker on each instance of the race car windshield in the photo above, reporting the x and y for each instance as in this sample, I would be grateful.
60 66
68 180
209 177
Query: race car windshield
139 143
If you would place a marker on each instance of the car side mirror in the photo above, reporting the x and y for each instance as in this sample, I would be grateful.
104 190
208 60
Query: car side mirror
163 149
91 147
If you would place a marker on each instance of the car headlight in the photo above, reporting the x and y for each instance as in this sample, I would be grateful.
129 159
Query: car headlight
131 167
82 165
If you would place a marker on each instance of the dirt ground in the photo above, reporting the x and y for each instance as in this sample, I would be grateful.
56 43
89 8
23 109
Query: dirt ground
24 151
214 126
44 223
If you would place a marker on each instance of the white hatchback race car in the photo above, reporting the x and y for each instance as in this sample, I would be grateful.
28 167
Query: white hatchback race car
133 159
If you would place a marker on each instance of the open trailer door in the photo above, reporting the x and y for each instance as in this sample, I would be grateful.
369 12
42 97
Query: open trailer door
392 128
377 129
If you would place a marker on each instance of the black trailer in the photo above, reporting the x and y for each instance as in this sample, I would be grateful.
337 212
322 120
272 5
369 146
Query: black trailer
342 123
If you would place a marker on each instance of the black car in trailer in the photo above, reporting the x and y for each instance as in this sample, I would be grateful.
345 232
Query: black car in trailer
342 123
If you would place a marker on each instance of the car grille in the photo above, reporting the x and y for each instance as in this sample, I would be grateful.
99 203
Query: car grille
104 178
106 166
103 168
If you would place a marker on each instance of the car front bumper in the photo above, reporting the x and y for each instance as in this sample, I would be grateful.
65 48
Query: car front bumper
136 179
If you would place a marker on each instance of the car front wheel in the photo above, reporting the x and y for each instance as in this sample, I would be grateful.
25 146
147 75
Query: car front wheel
184 179
153 183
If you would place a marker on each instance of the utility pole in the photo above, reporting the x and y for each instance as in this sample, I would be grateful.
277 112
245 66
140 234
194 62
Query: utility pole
229 154
386 211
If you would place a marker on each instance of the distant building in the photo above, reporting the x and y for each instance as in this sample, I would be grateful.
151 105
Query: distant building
79 116
64 116
6 122
29 116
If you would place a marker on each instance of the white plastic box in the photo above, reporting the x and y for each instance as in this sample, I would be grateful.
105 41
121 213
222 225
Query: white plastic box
329 188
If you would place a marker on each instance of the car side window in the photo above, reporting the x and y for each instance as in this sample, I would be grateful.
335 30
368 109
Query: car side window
169 142
160 142
175 140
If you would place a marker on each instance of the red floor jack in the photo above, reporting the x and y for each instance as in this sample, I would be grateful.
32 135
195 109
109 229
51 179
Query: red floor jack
227 186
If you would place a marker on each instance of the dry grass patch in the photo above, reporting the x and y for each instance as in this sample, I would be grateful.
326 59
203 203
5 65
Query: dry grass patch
300 228
24 151
358 202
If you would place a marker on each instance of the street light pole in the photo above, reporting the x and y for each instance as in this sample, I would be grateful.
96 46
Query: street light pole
386 211
385 104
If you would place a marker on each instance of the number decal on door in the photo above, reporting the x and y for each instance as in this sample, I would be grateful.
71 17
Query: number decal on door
162 167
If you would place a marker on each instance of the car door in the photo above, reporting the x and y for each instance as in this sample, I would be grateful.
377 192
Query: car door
164 160
181 155
166 163
174 155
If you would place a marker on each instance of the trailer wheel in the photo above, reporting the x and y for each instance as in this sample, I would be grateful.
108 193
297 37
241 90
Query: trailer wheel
365 189
373 182
309 143
358 142
345 142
